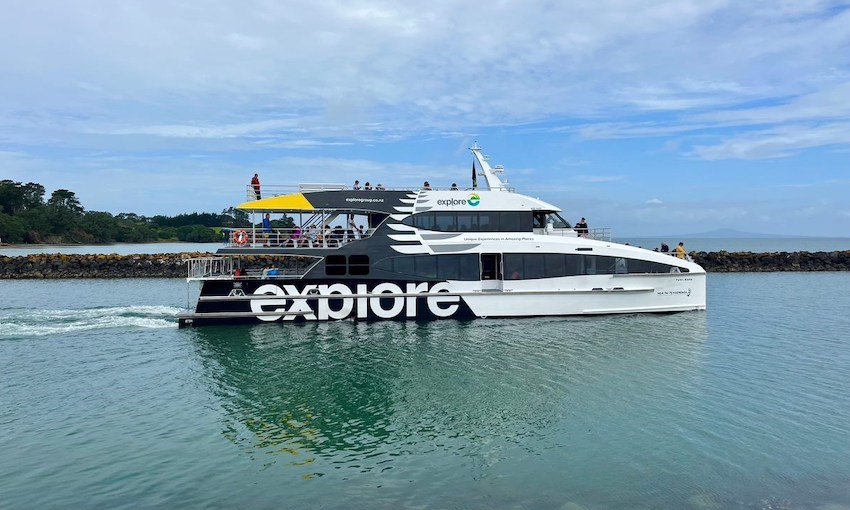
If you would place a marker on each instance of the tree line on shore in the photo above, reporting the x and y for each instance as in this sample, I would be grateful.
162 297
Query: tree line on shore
26 217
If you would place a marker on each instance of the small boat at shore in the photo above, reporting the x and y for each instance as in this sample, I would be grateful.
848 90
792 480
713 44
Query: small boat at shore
428 253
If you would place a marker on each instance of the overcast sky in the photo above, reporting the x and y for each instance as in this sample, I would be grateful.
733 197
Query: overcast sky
650 117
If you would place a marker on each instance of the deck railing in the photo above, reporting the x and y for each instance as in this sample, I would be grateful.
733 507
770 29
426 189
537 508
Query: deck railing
209 267
274 190
292 238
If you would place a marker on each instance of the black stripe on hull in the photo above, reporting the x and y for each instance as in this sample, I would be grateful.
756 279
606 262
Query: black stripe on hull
258 301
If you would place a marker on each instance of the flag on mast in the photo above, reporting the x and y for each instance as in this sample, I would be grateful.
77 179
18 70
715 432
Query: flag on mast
474 177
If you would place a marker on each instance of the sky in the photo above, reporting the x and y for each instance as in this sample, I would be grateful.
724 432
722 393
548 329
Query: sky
648 117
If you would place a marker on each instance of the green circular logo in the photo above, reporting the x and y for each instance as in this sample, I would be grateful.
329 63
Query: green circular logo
473 199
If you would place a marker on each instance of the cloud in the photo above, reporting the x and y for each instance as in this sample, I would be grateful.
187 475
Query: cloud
775 143
654 201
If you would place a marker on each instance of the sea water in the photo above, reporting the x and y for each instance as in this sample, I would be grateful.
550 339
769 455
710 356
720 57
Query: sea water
104 403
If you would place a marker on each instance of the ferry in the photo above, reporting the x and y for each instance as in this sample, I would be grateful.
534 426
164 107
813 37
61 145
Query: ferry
422 253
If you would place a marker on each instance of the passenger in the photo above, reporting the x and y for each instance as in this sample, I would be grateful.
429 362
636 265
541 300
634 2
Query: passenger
664 247
680 250
581 228
454 186
336 236
357 185
361 231
367 186
380 187
273 271
267 227
516 276
426 185
255 183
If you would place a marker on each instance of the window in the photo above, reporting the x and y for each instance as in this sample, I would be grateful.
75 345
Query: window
335 265
533 266
358 265
555 265
432 267
485 221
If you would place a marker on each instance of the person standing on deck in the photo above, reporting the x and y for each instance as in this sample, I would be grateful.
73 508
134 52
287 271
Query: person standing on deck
680 250
267 227
581 228
255 183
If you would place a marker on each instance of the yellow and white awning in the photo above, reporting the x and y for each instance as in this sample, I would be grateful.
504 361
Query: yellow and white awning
292 202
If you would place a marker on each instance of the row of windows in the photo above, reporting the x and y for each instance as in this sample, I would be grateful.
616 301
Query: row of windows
484 221
522 266
340 265
439 267
526 266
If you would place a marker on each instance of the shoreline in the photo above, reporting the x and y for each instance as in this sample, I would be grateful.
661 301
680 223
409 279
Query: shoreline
172 265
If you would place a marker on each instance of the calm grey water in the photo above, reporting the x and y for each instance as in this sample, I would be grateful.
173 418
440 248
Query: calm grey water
104 403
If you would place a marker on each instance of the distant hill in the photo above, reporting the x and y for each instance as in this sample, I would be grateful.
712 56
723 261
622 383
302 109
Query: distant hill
729 233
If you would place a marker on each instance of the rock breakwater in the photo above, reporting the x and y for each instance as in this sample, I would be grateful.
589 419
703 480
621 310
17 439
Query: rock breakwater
173 265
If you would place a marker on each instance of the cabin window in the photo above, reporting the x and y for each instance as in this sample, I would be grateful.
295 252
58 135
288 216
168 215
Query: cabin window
484 221
513 263
358 265
335 265
439 267
533 266
554 265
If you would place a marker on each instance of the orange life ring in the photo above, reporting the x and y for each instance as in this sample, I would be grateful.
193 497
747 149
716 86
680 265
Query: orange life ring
240 237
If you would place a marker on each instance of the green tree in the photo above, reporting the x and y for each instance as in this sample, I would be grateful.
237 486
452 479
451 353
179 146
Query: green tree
16 197
12 228
64 210
233 217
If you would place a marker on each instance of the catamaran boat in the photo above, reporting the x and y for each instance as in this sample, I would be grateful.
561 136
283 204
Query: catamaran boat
425 254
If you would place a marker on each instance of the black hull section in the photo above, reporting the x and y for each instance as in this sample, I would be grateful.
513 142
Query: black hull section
286 301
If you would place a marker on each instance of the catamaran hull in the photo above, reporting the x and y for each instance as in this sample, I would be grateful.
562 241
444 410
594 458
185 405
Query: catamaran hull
230 301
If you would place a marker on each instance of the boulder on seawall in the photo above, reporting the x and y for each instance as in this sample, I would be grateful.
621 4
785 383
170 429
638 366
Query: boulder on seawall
60 265
159 265
744 261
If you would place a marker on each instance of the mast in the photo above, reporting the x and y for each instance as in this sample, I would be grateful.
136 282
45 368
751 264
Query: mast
485 170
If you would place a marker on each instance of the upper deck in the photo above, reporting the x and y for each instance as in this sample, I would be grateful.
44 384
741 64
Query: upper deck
331 215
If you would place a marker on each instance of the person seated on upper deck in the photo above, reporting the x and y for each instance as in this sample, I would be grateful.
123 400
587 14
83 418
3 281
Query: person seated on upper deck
426 185
454 186
335 237
367 186
356 185
664 247
380 187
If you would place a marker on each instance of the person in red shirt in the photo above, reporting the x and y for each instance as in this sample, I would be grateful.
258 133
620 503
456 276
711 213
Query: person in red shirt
255 182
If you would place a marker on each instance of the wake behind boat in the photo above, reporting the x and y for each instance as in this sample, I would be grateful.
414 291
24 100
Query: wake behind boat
430 254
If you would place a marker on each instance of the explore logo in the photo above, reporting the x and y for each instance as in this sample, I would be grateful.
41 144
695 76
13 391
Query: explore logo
386 301
473 200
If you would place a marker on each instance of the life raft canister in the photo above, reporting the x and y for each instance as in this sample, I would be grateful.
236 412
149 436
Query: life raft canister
240 237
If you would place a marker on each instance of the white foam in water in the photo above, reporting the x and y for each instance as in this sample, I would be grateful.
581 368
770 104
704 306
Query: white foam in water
23 322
